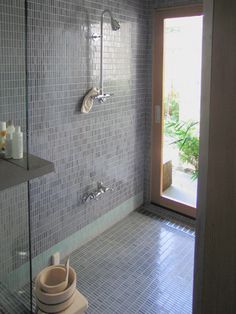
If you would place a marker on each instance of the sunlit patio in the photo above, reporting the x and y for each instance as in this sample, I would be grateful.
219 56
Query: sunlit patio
183 188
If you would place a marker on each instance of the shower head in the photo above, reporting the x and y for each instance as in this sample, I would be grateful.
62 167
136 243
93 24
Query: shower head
115 25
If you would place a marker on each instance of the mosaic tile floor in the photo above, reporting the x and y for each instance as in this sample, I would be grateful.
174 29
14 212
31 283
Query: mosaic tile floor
144 264
13 303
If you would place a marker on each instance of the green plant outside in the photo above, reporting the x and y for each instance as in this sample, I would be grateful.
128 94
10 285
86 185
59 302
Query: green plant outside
184 133
187 141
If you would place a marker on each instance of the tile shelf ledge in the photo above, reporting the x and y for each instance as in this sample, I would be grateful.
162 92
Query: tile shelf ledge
14 172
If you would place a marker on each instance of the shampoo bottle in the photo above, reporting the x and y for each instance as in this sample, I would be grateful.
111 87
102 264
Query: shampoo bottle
17 144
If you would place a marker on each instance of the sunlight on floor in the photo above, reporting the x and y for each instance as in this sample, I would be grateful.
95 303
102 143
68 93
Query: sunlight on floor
183 189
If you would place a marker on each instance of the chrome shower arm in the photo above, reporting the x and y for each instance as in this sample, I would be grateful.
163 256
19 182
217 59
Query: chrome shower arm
115 26
101 51
101 57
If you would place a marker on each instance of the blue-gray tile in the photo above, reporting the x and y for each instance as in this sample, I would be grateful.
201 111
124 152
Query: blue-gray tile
143 264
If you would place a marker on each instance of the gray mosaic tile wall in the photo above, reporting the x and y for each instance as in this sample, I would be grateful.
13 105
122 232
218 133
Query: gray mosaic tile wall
12 61
108 144
13 201
105 145
112 143
13 228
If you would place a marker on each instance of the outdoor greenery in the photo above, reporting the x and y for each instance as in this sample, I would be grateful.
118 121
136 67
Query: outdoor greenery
184 133
187 141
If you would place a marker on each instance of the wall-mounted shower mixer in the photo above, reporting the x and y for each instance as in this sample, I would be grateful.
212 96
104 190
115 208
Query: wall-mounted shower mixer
95 36
103 97
101 189
95 93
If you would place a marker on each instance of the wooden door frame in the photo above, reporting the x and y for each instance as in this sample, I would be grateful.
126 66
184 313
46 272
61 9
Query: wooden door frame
157 96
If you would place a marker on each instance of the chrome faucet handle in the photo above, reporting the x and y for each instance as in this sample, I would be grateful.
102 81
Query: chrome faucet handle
98 193
103 97
88 196
85 197
99 184
109 189
95 36
103 187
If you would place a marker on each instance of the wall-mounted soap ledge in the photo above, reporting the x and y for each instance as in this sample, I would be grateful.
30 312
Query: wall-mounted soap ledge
13 172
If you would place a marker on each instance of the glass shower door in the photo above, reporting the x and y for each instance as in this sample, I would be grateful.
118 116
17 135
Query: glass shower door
15 288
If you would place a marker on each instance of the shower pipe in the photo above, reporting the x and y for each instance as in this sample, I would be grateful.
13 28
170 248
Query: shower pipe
115 27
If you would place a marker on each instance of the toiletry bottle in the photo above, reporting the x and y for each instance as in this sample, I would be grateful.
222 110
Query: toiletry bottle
9 137
17 144
8 146
10 127
3 131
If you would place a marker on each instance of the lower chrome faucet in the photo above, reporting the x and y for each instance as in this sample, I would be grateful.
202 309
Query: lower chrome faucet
95 194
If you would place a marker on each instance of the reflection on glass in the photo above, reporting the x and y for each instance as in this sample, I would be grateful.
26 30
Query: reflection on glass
13 75
14 240
181 100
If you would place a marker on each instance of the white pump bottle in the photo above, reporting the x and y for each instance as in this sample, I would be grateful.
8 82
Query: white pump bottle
17 144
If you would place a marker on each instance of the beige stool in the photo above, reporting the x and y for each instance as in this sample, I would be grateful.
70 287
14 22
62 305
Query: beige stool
79 305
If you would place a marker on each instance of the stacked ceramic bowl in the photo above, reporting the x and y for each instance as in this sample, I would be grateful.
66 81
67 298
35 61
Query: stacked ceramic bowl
55 288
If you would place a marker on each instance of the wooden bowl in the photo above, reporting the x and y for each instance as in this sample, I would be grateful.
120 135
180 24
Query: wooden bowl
60 297
53 279
55 308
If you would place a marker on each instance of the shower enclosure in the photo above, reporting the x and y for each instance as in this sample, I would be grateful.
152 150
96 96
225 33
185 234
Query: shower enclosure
15 233
15 222
15 256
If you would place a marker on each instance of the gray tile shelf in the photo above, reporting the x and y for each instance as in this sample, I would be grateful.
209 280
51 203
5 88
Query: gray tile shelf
13 172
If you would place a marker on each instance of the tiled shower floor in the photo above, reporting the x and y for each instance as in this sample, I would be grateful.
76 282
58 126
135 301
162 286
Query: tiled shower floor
144 264
14 302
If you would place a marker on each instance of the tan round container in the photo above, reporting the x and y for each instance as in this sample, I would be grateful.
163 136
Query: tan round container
53 279
59 297
55 308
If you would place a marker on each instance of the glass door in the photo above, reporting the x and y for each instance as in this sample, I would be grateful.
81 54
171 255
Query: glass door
177 76
15 257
